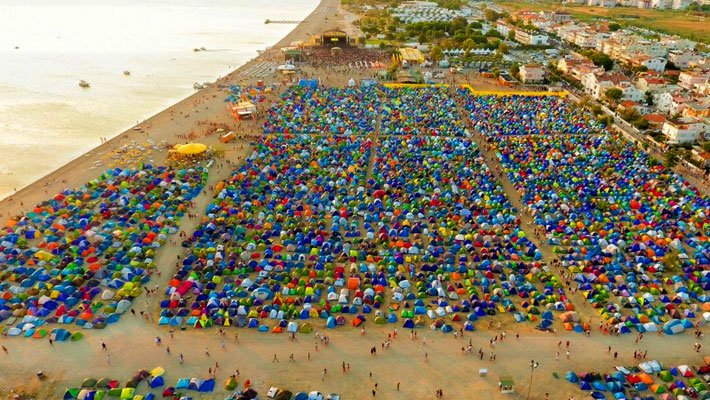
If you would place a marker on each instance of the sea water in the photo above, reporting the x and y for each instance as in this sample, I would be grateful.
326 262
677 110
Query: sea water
48 46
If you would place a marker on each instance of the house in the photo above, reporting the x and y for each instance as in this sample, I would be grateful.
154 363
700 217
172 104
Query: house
680 58
596 84
503 27
633 105
663 102
688 79
685 130
585 40
649 83
630 92
532 73
694 109
678 104
680 4
645 60
562 16
655 120
660 4
702 157
644 4
531 38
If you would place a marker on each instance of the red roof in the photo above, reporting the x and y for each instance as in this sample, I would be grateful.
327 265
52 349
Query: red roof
655 118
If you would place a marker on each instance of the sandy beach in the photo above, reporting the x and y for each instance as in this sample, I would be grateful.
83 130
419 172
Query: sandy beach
411 368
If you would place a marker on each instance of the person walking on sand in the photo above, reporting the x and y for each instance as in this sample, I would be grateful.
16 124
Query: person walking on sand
275 359
180 358
207 352
4 349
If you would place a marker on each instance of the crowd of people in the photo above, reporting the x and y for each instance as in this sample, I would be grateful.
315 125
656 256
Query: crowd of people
353 57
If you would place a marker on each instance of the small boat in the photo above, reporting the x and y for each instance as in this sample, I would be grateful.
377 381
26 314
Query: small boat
84 84
195 49
127 72
203 48
199 86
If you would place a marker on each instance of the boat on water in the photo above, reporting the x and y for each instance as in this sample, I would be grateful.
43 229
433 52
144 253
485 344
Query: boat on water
127 72
84 84
199 86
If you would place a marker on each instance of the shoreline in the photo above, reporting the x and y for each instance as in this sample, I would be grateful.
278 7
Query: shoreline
28 195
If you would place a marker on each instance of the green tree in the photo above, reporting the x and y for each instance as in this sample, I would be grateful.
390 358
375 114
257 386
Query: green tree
648 96
613 94
614 27
602 60
515 70
671 158
491 15
511 35
641 123
706 146
436 54
503 48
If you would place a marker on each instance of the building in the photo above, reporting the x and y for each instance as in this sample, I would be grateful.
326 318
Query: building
648 83
633 105
532 73
688 79
504 28
651 63
531 38
596 84
681 58
655 120
694 109
680 4
685 130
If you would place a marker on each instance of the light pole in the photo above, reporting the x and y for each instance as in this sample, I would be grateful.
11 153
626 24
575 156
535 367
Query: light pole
533 365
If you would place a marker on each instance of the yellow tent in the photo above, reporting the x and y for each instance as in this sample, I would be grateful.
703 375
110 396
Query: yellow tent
190 149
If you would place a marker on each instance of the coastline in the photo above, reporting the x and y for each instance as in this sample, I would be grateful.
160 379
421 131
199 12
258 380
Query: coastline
158 127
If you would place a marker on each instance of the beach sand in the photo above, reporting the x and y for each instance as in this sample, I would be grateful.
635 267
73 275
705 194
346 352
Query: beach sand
131 345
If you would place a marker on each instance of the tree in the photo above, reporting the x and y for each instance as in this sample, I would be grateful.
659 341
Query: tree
436 54
491 15
641 123
706 146
602 60
649 98
671 158
614 27
613 94
515 70
511 35
503 48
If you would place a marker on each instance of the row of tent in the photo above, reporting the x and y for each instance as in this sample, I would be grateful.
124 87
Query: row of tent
678 383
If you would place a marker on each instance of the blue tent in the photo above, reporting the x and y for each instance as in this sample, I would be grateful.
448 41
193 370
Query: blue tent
571 377
330 323
408 324
207 386
158 381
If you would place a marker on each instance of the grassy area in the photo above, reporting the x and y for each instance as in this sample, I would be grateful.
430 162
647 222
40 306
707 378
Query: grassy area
668 21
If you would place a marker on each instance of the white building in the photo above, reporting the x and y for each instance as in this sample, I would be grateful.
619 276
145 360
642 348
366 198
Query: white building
680 4
531 73
531 38
685 130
